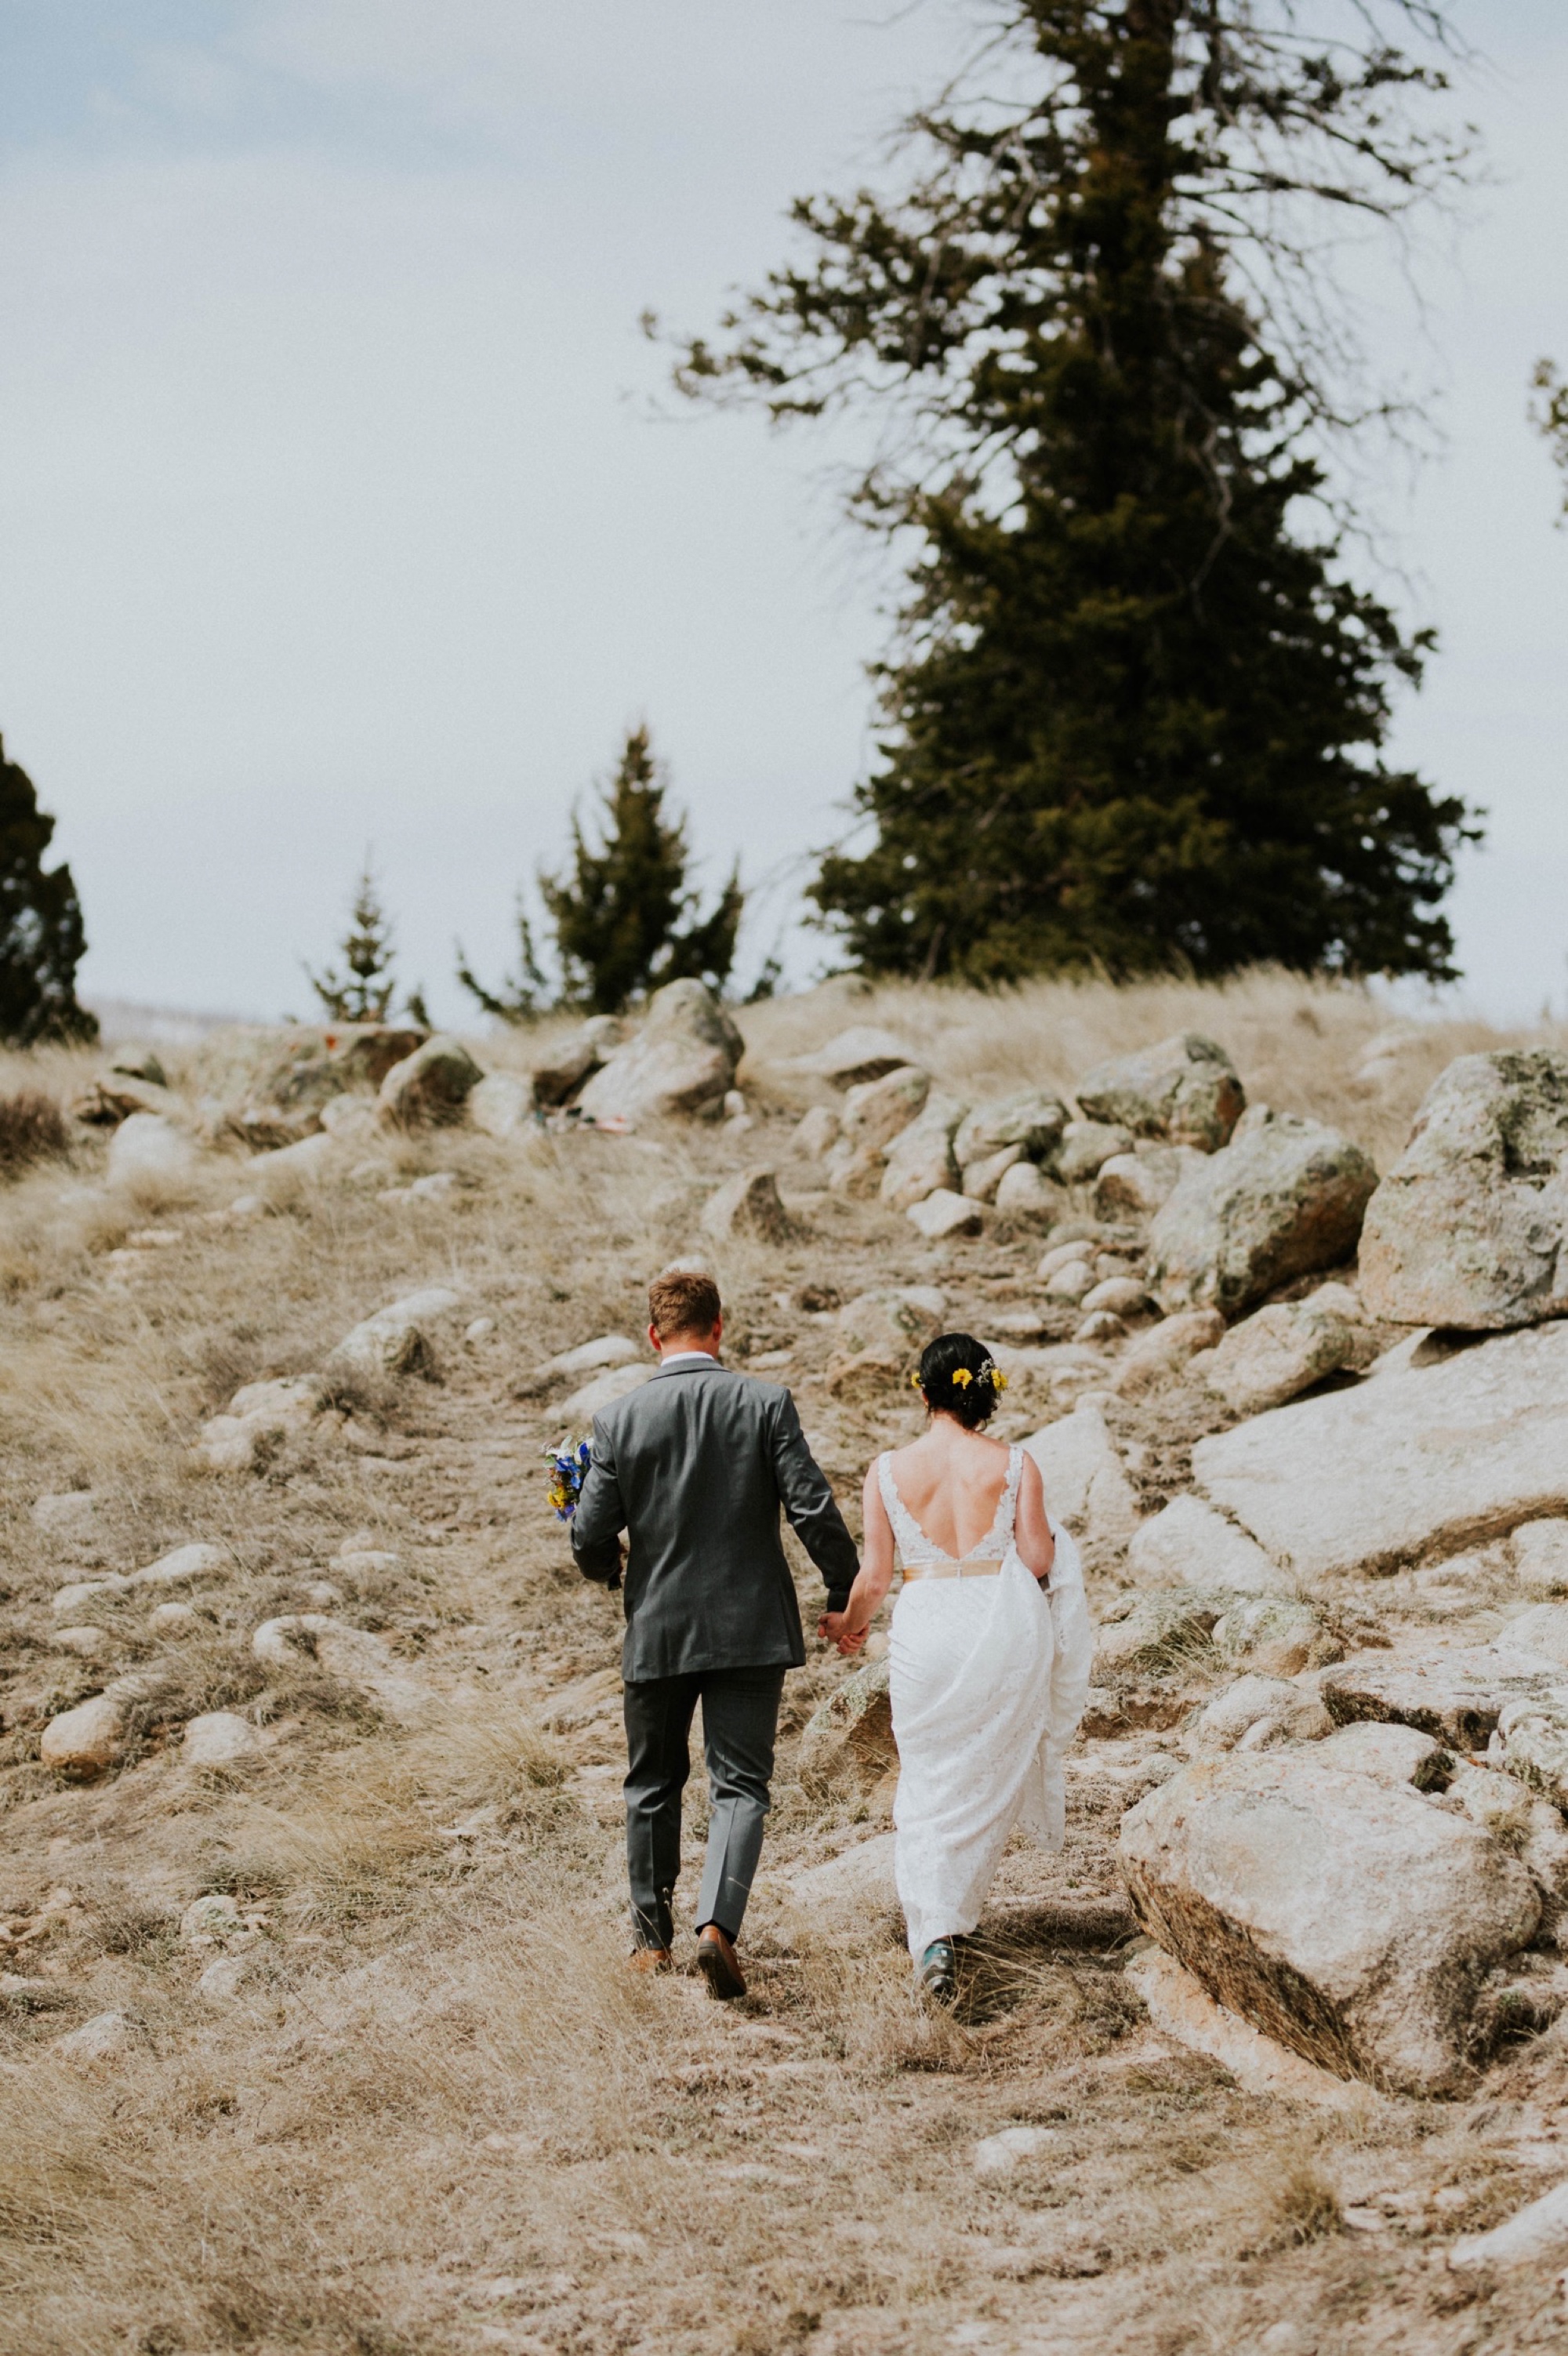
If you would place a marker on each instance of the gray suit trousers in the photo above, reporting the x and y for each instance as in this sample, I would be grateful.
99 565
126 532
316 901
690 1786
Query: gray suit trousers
740 1726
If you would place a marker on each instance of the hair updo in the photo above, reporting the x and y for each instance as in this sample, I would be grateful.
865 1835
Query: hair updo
958 1377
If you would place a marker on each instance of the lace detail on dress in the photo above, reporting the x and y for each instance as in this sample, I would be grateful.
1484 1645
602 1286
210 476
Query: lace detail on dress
914 1544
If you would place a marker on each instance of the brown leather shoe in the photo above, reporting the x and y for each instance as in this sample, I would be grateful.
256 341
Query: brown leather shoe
715 1961
650 1959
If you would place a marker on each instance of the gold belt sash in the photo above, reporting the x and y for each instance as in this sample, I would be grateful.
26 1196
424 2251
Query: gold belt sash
965 1569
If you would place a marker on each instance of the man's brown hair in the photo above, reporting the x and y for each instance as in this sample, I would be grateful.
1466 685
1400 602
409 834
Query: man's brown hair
683 1301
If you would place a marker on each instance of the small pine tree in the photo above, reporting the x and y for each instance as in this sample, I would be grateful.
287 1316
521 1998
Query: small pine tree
41 932
1550 418
624 917
362 991
516 999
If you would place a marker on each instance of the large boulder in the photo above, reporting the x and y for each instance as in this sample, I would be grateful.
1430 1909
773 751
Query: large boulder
1279 1352
1085 1481
429 1088
920 1157
562 1068
1284 1198
876 1110
1086 1147
1030 1118
681 1062
1185 1089
747 1204
1188 1544
1470 1226
1405 1467
1349 1917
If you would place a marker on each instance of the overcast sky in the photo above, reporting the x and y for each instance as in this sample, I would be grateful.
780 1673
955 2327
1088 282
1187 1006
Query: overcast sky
335 512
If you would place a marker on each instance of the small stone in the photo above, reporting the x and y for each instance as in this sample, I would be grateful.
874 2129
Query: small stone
70 1598
981 1179
1030 1119
1086 1147
1499 1803
856 1171
433 1188
184 1562
479 1329
88 1644
1025 1194
149 1146
849 1737
222 1979
1279 1634
945 1213
1062 1255
997 2155
86 1740
1156 1355
395 1340
1101 1325
1135 1185
107 2037
605 1350
606 1389
322 1596
501 1104
1123 1296
353 1654
1258 1713
69 1514
749 1205
347 1121
219 1738
815 1134
215 1916
1071 1282
430 1087
173 1619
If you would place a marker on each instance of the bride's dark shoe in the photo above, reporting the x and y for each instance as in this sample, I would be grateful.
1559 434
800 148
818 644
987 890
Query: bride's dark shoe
936 1973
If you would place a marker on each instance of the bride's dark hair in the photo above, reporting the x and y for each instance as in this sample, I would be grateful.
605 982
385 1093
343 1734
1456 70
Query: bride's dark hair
958 1378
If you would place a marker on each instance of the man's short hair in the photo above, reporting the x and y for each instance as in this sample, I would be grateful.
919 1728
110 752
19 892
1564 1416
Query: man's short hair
683 1301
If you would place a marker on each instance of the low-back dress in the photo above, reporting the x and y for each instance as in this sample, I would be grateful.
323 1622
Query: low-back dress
988 1676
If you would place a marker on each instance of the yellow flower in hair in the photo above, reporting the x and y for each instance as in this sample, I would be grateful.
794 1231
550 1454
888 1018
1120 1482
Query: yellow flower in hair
915 1382
992 1372
961 1378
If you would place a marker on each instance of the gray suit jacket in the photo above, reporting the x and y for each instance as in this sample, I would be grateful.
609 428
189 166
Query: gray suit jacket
695 1466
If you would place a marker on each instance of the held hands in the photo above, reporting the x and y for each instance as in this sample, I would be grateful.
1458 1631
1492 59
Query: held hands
833 1629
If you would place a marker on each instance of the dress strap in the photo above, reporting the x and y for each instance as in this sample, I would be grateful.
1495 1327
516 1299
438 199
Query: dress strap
999 1537
913 1543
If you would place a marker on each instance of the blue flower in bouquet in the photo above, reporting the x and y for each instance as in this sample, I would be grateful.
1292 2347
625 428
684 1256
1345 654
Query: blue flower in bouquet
568 1470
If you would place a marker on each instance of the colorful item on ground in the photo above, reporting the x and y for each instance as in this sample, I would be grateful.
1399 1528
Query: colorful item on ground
568 1470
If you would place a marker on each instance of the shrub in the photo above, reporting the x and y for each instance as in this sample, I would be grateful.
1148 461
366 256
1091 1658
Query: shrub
32 1127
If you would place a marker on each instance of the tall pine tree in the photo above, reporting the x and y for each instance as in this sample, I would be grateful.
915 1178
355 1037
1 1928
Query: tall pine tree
41 933
1135 712
625 920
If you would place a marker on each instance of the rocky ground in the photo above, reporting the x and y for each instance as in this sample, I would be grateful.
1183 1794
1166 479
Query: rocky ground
314 2030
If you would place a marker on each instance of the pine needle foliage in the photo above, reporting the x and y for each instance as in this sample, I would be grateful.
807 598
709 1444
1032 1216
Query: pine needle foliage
625 917
361 989
1549 415
1135 712
42 937
518 997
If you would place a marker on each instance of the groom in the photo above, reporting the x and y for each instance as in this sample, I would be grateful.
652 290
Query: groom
694 1466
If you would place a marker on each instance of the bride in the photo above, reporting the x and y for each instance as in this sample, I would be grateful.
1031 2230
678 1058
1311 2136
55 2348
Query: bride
989 1655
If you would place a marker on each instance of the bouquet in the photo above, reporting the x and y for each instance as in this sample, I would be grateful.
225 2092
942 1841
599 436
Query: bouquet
568 1470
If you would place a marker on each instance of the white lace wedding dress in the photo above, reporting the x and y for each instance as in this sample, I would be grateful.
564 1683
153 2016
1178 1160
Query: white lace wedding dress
988 1677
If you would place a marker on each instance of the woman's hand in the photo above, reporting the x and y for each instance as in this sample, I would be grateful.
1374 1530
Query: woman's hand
833 1630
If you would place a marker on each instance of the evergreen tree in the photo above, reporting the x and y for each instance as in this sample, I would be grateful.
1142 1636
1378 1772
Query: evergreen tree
1134 714
361 992
41 933
518 998
625 919
1550 417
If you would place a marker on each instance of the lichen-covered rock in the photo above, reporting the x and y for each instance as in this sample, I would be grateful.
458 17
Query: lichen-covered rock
1086 1147
1029 1117
849 1738
920 1158
501 1104
1279 1352
430 1087
874 1112
1470 1226
1349 1917
1260 1713
1278 1635
748 1205
1185 1089
1285 1199
88 1739
681 1062
1085 1481
1137 1186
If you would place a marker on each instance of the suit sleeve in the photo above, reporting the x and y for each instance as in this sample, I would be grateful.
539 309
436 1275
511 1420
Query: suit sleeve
600 1516
809 1502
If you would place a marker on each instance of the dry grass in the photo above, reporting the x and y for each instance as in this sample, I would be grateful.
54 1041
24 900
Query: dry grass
435 2115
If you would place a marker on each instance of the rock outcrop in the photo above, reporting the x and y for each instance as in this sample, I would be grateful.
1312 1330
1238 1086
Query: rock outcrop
1085 1481
1285 1198
1188 1544
681 1062
429 1088
1349 1917
1406 1466
1278 1352
1470 1226
1185 1089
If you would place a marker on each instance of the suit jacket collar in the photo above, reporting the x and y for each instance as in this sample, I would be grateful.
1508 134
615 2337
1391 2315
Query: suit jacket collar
693 1365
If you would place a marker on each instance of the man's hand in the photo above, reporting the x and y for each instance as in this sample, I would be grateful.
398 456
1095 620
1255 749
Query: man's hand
833 1630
